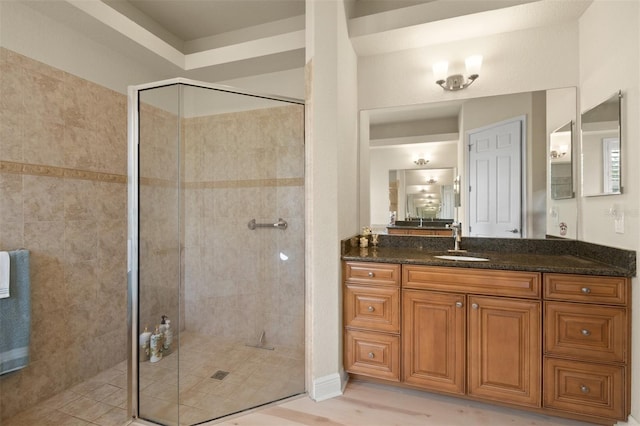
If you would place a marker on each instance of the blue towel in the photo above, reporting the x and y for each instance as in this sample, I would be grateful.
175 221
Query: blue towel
15 315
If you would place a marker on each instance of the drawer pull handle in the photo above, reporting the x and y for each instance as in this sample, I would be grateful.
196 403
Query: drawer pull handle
458 304
584 389
474 306
371 309
585 290
372 355
371 274
586 332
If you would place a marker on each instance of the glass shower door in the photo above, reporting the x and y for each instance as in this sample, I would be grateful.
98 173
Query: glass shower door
221 251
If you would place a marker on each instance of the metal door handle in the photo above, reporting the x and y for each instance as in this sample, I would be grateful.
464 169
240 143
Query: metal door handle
371 355
474 306
584 389
371 309
371 274
513 231
586 332
585 290
458 304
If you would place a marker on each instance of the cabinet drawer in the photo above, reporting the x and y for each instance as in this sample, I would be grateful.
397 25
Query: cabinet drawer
373 308
584 288
372 273
587 332
372 354
584 388
478 281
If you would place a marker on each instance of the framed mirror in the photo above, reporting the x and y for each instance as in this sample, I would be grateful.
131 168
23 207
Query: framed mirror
602 148
560 162
423 193
394 138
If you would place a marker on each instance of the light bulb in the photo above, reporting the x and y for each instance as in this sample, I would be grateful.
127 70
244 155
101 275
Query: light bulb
440 70
473 64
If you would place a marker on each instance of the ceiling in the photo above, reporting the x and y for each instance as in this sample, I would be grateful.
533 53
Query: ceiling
215 40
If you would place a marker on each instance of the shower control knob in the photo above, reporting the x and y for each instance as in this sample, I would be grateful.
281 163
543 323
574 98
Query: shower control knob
372 355
371 309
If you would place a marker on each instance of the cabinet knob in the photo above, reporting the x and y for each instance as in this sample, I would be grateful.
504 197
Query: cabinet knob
585 290
586 332
584 389
458 304
372 355
474 305
371 274
371 309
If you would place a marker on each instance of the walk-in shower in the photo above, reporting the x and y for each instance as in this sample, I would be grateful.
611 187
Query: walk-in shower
216 251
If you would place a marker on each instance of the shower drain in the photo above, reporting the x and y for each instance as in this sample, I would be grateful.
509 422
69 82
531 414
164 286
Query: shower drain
219 375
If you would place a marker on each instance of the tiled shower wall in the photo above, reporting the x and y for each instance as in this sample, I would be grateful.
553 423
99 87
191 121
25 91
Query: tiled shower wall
238 282
63 166
159 224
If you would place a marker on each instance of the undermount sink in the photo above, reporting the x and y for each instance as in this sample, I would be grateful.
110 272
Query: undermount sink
463 258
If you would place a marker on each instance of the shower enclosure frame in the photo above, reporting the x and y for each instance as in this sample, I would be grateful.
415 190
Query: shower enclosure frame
133 141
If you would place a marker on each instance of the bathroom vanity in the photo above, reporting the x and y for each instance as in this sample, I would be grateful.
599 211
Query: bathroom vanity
544 327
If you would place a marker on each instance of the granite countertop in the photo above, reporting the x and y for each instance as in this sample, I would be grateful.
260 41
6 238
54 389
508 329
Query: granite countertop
570 257
443 228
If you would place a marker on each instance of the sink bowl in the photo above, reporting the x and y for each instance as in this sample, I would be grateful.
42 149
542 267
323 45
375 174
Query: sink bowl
463 258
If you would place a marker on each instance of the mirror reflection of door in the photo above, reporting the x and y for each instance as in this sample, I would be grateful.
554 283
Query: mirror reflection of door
495 180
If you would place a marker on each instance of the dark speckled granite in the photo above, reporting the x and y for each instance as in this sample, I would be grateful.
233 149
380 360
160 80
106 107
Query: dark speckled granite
552 255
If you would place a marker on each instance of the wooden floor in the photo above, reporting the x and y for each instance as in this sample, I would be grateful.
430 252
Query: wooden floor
366 404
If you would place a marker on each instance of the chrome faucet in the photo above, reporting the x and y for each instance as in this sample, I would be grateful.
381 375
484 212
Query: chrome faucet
457 236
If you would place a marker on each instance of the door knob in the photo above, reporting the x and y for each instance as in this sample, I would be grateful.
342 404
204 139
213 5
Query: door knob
513 231
371 274
458 304
371 309
586 332
474 305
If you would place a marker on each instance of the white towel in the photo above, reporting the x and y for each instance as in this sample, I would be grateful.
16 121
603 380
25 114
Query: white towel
4 274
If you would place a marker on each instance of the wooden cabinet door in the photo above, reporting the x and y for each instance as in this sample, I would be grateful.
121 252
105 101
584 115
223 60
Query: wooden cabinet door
504 350
434 340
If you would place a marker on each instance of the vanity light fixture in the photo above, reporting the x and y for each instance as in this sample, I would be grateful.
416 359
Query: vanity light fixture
431 181
457 81
555 154
421 162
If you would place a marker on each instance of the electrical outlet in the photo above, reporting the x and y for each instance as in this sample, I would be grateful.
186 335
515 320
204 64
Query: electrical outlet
618 223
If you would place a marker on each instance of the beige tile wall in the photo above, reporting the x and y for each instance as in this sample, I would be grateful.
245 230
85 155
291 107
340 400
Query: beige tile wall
240 166
63 164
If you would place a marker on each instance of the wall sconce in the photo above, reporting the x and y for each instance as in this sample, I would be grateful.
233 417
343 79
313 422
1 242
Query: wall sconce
431 181
555 154
457 81
421 162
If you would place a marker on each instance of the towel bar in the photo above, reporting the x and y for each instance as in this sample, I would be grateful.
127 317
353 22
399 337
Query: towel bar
280 224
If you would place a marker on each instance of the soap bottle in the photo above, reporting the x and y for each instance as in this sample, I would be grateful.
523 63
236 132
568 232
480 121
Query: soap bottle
145 340
168 335
156 346
163 324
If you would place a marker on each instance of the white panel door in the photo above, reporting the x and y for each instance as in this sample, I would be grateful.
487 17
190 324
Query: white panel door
495 181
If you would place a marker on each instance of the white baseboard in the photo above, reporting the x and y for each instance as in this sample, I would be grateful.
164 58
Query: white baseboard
630 422
327 387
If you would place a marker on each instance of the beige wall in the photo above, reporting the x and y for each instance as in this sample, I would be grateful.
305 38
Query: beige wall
610 61
63 190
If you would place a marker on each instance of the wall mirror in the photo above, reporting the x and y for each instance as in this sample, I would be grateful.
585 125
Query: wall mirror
560 162
435 136
602 148
422 193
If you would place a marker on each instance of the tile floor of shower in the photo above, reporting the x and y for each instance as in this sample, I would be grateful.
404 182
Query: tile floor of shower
256 376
